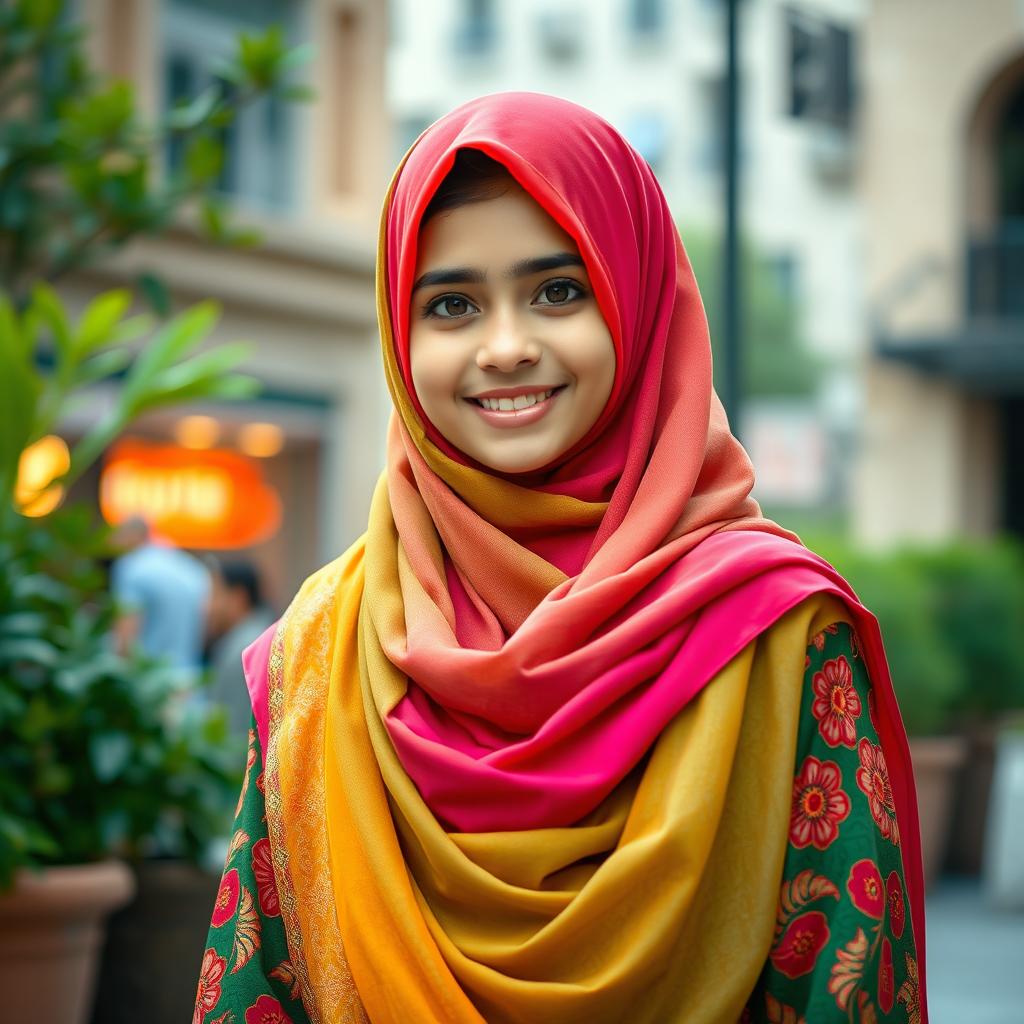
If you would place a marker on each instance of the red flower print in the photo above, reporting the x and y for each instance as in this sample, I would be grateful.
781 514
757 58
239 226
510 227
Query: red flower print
836 703
897 908
819 804
865 888
819 639
886 985
873 779
266 886
208 992
266 1010
797 951
227 899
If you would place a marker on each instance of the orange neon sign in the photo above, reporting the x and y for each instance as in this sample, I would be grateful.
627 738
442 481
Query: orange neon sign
196 499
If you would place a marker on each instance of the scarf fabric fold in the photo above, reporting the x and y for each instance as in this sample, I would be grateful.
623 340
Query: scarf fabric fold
531 712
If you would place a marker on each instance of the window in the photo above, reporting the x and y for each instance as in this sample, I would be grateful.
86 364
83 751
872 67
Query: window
647 17
477 28
259 146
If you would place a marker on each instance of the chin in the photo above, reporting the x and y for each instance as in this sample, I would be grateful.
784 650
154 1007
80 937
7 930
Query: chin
523 465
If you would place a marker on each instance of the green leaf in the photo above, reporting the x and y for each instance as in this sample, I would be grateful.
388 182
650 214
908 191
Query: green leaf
212 213
132 328
173 341
210 364
47 308
39 586
39 14
298 93
204 158
22 624
100 319
109 754
12 337
20 386
155 292
242 238
189 116
30 649
102 366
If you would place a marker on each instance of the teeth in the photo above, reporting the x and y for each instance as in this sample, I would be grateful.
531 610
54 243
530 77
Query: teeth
510 404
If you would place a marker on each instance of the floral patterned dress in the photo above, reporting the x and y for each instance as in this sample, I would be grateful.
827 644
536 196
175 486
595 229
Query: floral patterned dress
843 948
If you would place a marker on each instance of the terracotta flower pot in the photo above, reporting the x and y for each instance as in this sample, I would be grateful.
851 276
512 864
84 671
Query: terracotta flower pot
51 931
937 760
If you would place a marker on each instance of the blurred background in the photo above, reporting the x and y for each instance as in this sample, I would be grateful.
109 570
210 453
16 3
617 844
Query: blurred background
848 178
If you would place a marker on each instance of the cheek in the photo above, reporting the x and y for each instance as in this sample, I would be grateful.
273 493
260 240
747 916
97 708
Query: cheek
593 360
428 367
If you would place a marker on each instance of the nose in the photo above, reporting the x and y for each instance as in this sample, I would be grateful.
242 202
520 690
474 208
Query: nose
506 346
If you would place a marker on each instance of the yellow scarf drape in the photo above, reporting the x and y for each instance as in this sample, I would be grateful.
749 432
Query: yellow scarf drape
659 906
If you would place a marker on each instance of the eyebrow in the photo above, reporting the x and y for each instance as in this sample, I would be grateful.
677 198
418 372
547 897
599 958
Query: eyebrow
523 268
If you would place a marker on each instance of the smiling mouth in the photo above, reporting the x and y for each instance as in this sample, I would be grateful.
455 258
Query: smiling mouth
514 403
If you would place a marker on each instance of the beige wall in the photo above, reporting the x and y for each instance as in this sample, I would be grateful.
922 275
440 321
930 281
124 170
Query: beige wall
931 72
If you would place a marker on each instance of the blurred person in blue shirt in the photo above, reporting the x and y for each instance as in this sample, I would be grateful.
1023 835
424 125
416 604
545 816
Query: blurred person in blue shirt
163 593
237 616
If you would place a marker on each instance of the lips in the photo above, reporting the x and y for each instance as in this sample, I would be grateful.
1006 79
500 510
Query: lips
515 407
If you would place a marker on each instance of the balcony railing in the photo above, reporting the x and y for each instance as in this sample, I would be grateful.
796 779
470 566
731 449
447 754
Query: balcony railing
995 273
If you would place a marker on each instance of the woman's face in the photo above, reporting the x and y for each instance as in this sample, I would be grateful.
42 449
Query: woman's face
510 356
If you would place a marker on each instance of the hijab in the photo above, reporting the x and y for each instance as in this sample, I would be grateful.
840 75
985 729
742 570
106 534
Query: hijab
525 707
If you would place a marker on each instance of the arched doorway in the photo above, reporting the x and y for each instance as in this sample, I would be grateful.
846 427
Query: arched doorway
995 196
995 254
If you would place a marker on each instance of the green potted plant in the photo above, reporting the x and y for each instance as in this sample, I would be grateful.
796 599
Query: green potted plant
979 609
91 766
93 761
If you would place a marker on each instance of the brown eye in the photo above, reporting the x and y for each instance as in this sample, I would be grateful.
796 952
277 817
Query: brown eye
559 293
450 307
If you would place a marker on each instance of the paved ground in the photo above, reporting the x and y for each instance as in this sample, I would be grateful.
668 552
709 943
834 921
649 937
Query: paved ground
975 957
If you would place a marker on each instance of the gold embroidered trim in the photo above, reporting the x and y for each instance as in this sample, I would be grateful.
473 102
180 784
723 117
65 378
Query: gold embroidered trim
296 805
276 828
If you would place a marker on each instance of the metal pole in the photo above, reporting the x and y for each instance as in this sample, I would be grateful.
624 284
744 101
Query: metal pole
732 322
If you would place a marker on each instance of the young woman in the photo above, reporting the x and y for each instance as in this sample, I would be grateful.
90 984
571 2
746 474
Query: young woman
572 733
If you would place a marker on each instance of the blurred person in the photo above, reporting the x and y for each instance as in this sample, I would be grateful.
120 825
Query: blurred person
237 616
163 594
572 732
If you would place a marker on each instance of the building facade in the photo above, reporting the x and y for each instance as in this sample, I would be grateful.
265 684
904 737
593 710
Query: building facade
943 186
310 177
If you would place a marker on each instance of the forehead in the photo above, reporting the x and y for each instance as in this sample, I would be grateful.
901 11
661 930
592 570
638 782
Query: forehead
491 232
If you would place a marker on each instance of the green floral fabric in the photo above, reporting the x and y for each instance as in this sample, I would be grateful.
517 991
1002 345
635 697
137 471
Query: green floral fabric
246 976
843 948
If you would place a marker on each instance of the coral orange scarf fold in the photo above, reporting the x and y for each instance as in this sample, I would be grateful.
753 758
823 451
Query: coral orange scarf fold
524 707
